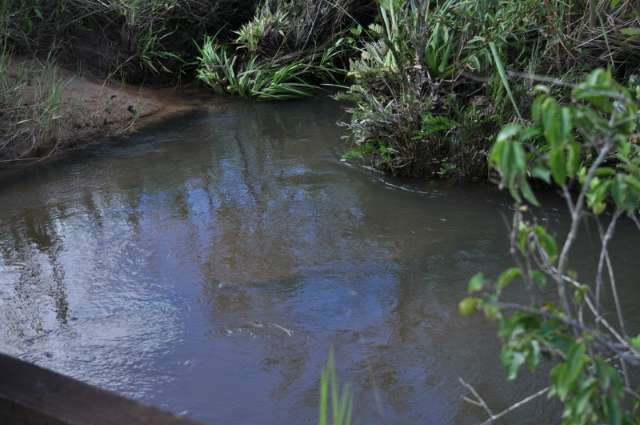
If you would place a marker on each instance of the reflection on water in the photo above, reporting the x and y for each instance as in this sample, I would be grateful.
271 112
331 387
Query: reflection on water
208 266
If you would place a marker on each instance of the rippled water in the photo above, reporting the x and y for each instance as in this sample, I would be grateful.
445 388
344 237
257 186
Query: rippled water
208 265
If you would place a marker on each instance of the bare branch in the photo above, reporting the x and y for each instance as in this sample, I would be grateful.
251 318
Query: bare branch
576 216
479 401
605 258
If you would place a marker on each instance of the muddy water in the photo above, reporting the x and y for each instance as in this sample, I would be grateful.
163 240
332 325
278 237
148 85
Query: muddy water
208 265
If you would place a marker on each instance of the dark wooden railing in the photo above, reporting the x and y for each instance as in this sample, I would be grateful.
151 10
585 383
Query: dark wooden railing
31 395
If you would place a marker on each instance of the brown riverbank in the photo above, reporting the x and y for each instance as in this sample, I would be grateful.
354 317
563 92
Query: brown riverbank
87 110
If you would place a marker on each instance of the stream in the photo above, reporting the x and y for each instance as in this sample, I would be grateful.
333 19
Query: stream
209 264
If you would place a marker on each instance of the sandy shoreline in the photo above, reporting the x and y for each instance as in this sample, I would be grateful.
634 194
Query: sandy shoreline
91 110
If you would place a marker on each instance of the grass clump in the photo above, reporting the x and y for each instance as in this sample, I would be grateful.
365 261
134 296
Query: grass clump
229 73
133 40
286 51
435 79
29 103
30 97
341 405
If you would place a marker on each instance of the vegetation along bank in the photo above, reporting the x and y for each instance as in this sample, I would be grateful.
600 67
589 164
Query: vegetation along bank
532 92
428 83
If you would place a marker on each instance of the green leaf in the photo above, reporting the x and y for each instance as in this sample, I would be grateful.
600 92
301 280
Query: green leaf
519 157
508 276
324 393
503 77
566 124
513 360
551 119
539 278
476 283
496 154
613 410
599 89
468 305
529 133
636 342
542 173
573 160
528 193
619 191
631 31
574 364
432 124
536 110
508 132
547 242
633 183
558 163
523 237
583 402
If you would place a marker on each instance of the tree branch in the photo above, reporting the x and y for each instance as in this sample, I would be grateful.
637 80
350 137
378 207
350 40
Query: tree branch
479 401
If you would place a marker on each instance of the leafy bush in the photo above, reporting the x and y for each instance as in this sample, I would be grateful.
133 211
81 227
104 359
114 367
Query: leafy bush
437 61
284 52
226 72
588 148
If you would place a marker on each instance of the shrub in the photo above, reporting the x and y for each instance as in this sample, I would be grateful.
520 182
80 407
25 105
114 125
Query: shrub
225 72
287 50
437 62
588 148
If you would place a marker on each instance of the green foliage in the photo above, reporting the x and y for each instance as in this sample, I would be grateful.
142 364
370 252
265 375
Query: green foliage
588 147
288 50
136 40
226 72
341 400
30 98
265 26
413 73
561 143
453 59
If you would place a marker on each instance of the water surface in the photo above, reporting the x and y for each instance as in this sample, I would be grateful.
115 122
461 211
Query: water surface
208 265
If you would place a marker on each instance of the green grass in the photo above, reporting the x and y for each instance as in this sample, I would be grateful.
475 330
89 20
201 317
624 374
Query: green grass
467 62
288 50
269 80
336 404
30 98
132 40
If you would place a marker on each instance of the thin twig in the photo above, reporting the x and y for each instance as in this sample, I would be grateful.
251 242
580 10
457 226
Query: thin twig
479 402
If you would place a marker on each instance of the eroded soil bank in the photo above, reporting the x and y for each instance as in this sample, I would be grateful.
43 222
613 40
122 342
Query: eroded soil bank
90 110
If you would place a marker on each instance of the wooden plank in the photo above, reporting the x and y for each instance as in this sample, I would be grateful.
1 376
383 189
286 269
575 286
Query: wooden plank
31 395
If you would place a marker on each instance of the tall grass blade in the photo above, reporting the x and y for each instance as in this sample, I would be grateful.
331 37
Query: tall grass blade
503 77
341 400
